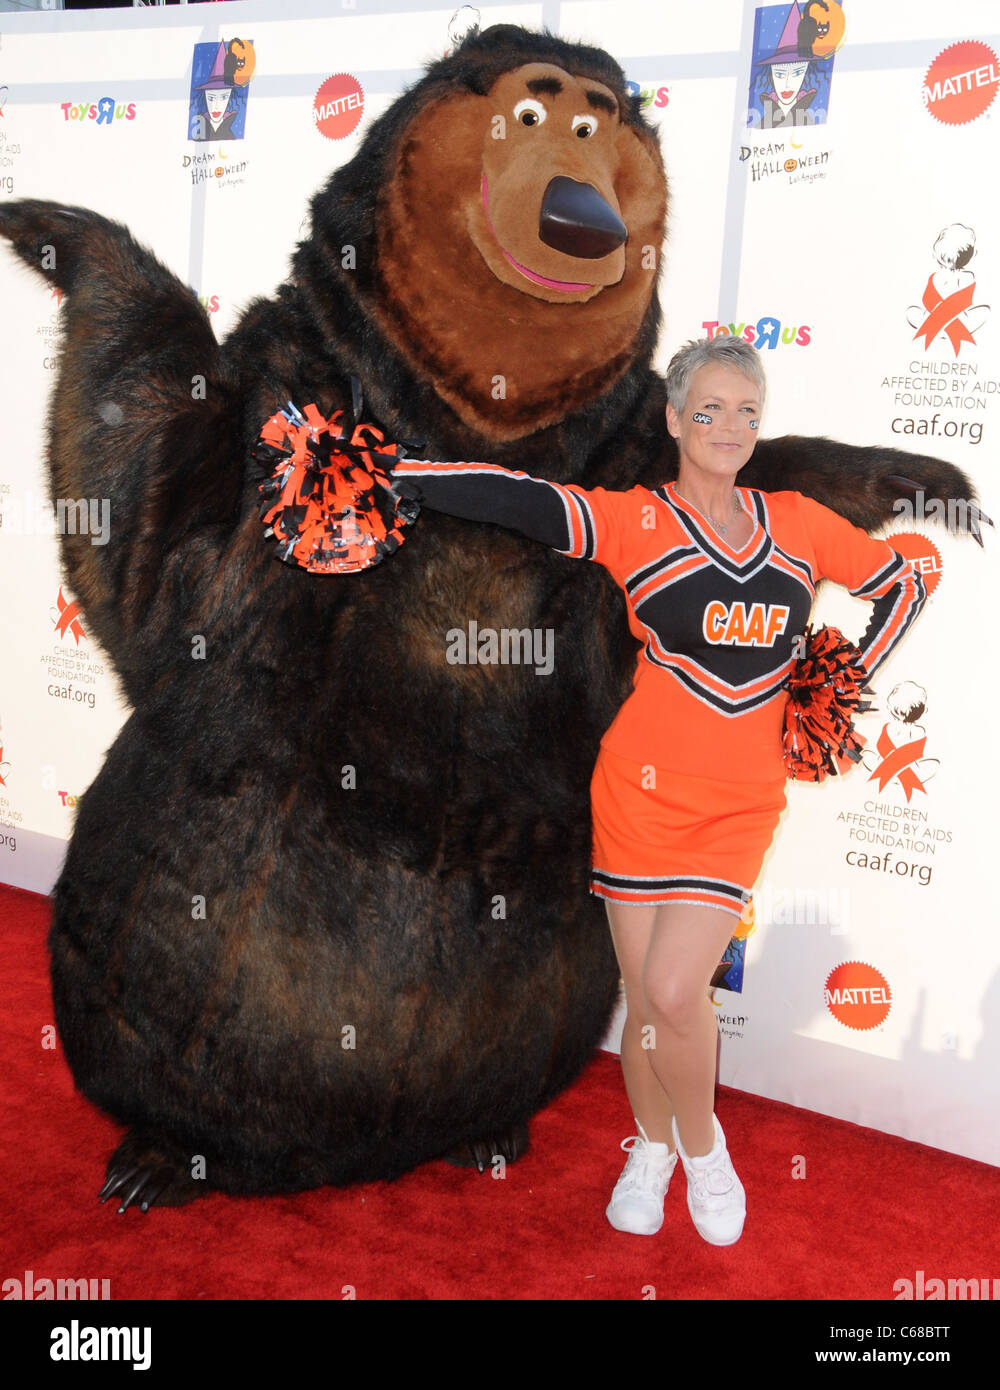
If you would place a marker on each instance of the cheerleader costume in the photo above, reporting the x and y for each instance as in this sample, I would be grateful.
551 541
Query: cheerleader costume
689 782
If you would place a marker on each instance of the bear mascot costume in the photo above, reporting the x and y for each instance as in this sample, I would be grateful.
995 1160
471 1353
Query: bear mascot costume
325 910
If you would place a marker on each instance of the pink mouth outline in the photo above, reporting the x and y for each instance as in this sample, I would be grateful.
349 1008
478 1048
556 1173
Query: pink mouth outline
569 286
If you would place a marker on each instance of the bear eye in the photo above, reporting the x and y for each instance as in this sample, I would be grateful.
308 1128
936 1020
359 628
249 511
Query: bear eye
530 112
584 126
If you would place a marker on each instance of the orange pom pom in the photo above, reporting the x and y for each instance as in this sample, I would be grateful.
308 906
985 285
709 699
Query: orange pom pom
824 693
328 503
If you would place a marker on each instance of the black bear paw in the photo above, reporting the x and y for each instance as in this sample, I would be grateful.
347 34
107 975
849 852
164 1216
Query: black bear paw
142 1176
508 1144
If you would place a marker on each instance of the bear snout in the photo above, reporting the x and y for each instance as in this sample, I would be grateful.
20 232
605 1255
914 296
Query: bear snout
578 221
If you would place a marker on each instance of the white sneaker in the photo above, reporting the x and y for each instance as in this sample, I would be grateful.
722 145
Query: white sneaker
637 1202
716 1197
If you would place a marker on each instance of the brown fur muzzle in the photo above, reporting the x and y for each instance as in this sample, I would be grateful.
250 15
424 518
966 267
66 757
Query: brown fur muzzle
480 252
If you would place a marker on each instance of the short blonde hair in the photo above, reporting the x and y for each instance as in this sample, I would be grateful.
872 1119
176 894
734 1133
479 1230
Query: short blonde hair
723 349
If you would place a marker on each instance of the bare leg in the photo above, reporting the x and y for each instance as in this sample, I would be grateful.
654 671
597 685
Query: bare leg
685 946
631 931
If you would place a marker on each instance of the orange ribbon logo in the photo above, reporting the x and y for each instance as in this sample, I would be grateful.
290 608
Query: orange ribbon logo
68 618
895 763
943 316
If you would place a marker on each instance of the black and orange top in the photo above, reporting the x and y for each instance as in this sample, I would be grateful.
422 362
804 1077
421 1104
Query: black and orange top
718 625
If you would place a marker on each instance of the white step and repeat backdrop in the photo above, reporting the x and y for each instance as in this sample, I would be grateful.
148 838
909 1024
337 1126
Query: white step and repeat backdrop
841 212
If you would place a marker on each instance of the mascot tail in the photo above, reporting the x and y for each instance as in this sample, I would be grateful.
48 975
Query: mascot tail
143 425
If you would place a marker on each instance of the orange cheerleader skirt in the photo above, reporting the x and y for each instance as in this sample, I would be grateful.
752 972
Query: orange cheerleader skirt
683 839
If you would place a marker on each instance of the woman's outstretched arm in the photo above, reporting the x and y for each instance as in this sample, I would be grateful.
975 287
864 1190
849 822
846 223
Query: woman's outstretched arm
582 523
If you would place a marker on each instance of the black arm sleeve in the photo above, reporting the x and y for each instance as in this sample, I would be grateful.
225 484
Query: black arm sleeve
540 510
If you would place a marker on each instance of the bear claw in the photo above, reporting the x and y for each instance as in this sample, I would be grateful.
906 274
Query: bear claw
508 1144
142 1176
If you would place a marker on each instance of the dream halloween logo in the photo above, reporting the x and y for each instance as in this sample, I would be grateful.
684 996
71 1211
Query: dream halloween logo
217 110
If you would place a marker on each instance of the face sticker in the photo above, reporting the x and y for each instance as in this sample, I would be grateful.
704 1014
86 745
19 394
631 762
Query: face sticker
753 424
701 419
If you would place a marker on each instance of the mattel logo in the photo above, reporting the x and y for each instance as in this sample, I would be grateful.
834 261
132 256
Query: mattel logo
338 106
858 995
961 82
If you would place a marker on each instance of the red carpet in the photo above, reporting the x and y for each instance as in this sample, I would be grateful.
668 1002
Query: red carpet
871 1211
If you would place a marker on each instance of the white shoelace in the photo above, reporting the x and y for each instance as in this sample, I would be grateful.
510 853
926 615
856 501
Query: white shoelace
643 1166
713 1183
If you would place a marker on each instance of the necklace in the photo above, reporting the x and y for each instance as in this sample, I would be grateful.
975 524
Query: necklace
721 526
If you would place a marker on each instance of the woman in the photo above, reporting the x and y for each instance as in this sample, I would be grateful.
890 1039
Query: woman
689 783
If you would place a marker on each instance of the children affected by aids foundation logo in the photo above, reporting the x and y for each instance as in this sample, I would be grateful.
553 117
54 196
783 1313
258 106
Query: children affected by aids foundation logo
892 833
73 671
858 995
10 816
10 147
897 760
66 617
947 310
952 314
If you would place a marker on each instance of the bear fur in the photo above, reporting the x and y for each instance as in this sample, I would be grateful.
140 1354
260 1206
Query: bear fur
399 958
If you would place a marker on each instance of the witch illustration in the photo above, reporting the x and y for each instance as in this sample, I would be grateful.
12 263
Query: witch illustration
222 114
947 310
786 84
